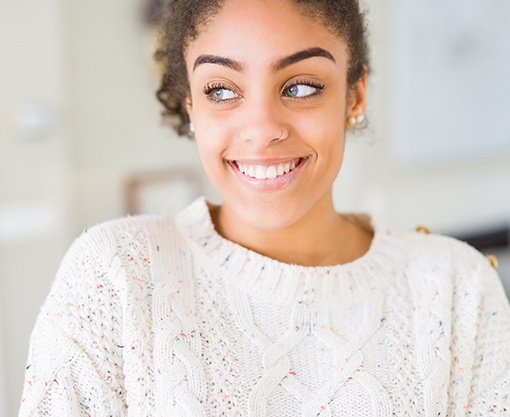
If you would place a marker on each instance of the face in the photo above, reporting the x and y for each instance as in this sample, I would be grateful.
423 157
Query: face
269 102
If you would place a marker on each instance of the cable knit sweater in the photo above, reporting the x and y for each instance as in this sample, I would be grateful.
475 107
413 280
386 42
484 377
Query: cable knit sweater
151 316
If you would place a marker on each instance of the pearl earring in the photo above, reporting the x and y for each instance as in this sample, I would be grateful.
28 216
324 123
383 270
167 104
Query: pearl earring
354 120
191 127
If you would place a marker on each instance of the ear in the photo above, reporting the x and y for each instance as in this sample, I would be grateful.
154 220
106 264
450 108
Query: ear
357 100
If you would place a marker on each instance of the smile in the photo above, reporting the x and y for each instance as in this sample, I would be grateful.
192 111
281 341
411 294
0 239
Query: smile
268 172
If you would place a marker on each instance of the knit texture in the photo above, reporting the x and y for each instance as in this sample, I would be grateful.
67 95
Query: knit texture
156 316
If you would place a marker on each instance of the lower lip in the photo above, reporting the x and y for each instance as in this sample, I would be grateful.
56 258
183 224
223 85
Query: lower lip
277 183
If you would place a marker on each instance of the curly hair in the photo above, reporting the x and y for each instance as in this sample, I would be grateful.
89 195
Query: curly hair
179 24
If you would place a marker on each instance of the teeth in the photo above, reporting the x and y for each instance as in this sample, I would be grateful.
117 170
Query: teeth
280 170
262 172
271 172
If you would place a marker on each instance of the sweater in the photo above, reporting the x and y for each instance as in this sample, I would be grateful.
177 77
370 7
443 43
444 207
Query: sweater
161 316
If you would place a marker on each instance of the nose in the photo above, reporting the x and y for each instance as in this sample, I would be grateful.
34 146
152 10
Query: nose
262 121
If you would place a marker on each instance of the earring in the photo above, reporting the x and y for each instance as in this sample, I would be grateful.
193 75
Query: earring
354 120
191 127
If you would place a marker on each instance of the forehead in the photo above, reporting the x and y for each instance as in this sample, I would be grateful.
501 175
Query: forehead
262 30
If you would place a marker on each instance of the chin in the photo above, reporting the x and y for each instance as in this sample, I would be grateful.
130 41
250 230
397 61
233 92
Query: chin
270 216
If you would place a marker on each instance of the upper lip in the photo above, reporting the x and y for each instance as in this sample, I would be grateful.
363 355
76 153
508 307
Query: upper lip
267 162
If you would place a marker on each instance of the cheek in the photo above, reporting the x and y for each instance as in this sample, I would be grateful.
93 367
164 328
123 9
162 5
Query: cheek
211 127
207 152
328 118
324 131
211 147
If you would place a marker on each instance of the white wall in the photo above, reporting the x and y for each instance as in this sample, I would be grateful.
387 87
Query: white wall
3 398
113 113
446 196
87 62
33 155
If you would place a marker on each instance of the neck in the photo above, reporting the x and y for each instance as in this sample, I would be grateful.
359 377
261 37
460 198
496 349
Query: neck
322 237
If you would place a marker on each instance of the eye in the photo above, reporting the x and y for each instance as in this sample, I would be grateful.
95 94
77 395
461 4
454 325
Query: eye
223 94
302 90
218 92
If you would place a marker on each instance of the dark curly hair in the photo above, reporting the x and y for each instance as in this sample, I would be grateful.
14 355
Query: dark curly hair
179 23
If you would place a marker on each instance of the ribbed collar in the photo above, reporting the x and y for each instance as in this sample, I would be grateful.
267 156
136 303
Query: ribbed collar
281 282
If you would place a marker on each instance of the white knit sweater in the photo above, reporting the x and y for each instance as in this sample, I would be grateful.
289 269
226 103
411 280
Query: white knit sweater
154 317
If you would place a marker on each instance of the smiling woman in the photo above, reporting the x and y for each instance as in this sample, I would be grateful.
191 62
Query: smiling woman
259 105
272 303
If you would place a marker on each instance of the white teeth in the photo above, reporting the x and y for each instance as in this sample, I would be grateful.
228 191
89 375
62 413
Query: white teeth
262 172
271 172
280 170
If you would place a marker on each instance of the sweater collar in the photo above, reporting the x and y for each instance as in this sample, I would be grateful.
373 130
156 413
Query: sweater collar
281 282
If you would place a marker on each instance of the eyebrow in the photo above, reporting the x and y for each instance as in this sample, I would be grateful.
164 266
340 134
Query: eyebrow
213 59
277 66
300 56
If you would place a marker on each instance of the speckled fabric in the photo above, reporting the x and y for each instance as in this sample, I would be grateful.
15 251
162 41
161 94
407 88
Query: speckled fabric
155 316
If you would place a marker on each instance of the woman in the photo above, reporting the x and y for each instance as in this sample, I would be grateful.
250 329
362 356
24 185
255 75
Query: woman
271 304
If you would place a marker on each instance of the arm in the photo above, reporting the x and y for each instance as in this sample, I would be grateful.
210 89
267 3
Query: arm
490 386
75 361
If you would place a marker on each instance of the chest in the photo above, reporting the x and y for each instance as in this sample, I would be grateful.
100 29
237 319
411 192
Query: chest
224 351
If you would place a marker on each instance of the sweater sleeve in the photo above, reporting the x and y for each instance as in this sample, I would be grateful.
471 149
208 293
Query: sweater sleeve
75 360
490 387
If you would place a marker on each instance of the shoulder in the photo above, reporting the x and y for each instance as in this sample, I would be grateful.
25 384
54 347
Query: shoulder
113 236
107 268
444 261
105 233
113 251
426 255
423 246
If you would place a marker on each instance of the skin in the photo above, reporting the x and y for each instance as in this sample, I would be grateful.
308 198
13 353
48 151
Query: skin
240 56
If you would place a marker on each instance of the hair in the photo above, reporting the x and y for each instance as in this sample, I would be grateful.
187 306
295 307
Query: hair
180 22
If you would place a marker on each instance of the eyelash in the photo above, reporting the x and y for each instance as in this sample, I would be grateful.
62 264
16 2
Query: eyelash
210 88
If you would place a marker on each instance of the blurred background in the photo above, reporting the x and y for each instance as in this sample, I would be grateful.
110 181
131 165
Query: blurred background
81 138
